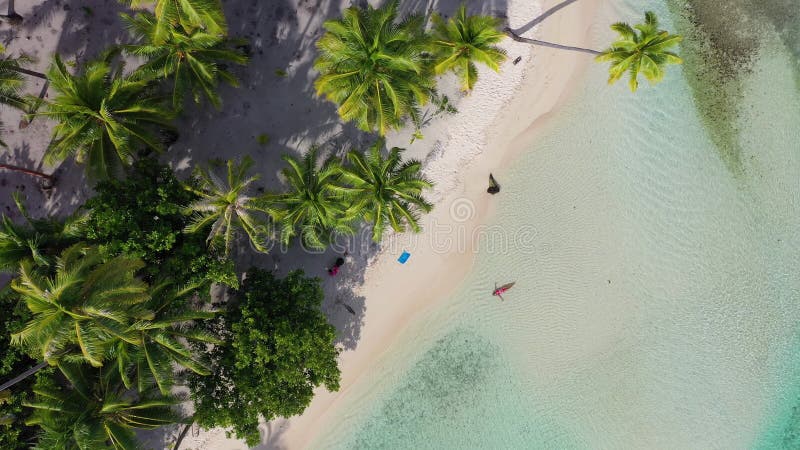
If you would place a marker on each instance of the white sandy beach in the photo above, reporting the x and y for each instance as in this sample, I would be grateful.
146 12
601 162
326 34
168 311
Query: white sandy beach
459 151
503 109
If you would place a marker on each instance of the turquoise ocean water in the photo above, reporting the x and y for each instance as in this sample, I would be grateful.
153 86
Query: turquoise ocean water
657 302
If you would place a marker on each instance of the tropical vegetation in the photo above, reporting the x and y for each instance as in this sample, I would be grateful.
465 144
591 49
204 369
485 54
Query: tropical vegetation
386 192
225 205
92 409
375 67
464 40
193 59
278 347
641 49
104 117
310 208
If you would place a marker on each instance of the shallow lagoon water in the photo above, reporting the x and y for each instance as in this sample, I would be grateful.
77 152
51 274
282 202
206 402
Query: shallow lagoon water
658 289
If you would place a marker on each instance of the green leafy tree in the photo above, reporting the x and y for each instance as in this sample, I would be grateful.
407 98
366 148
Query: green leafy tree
14 434
83 309
385 191
278 348
38 240
193 60
102 117
155 346
189 15
225 206
142 216
642 49
374 67
311 209
462 41
95 411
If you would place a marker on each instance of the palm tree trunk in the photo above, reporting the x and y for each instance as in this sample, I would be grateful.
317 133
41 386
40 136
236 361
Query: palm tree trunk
50 178
29 72
12 15
519 38
23 375
182 435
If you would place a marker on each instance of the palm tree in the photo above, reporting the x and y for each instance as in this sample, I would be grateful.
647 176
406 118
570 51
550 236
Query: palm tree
384 191
11 80
102 117
311 209
225 205
191 15
193 60
644 52
375 69
95 411
464 40
81 310
39 240
164 340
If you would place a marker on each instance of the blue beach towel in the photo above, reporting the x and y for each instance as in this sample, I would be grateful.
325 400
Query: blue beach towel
404 257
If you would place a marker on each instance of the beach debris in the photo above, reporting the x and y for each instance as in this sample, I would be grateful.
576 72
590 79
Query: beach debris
494 188
403 257
517 60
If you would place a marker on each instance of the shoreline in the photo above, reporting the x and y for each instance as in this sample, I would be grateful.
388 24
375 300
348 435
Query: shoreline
397 294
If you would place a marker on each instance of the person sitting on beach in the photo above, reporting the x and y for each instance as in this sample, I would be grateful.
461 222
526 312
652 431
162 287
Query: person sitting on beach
335 268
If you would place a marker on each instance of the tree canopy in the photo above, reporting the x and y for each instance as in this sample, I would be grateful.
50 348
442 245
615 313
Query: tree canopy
641 49
278 346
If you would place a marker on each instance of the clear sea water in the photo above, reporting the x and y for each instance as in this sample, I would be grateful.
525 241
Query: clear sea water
658 296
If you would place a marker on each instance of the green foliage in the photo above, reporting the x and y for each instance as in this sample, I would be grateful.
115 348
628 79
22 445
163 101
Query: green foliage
103 118
38 240
281 73
80 311
14 434
193 60
142 216
278 348
385 191
94 410
462 41
11 81
156 345
375 67
643 50
189 15
262 139
310 209
225 206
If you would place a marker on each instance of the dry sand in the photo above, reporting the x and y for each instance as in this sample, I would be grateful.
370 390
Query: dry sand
503 108
384 295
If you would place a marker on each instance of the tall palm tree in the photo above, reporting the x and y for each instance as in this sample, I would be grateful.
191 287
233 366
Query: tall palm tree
102 117
463 40
376 69
37 241
191 15
193 60
81 310
311 209
385 191
95 411
159 343
643 50
226 205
